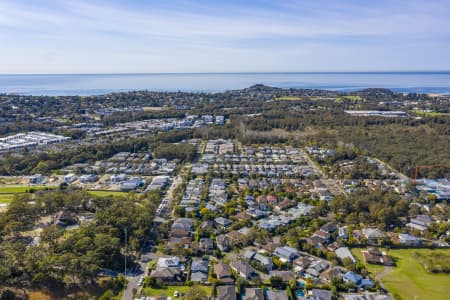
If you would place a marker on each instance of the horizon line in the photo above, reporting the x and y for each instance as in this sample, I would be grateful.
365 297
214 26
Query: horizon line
222 73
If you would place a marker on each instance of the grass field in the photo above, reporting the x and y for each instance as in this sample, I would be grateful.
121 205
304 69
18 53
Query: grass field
349 97
288 98
169 290
409 280
7 192
17 189
107 193
430 113
6 198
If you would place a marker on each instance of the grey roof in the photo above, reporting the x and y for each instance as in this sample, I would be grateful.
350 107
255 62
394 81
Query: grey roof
267 261
199 266
319 294
253 294
249 254
199 276
223 221
226 292
344 252
243 267
277 295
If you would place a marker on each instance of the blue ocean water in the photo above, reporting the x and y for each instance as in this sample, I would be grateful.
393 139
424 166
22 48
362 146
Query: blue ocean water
95 84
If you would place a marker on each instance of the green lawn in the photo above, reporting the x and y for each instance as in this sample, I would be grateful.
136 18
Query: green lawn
6 198
408 279
169 290
288 98
17 189
7 192
107 193
430 113
349 97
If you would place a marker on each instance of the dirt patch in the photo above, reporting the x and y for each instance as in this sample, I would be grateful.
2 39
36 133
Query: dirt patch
153 108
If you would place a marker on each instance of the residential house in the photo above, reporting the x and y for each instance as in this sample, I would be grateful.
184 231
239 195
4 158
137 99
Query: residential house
248 254
316 268
333 246
185 223
206 245
358 280
286 276
410 240
316 241
373 234
324 235
265 261
63 218
223 242
223 273
420 222
175 242
253 294
222 222
373 255
269 247
199 271
168 262
286 254
89 178
366 296
286 203
277 295
332 273
342 233
167 274
302 263
243 269
344 252
319 294
329 227
226 292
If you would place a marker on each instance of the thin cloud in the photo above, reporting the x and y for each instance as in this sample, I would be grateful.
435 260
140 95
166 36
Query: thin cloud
204 35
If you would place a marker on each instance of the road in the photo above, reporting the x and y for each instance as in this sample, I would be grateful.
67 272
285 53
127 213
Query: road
133 279
331 184
386 270
401 175
314 166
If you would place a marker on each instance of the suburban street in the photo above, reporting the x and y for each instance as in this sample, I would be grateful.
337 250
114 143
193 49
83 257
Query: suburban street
133 279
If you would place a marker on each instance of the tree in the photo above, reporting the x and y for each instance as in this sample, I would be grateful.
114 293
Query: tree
276 282
195 292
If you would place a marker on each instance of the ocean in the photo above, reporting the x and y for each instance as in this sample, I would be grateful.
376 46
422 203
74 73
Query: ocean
96 84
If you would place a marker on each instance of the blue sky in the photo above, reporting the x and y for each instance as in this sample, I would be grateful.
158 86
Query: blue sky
120 36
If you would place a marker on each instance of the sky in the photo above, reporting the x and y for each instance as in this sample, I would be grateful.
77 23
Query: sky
170 36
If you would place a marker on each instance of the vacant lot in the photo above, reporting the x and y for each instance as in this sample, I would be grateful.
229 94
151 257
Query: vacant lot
436 262
409 279
6 198
288 98
169 290
349 97
7 192
107 193
17 189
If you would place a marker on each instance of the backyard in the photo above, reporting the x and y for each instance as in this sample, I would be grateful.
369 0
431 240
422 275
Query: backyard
169 290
